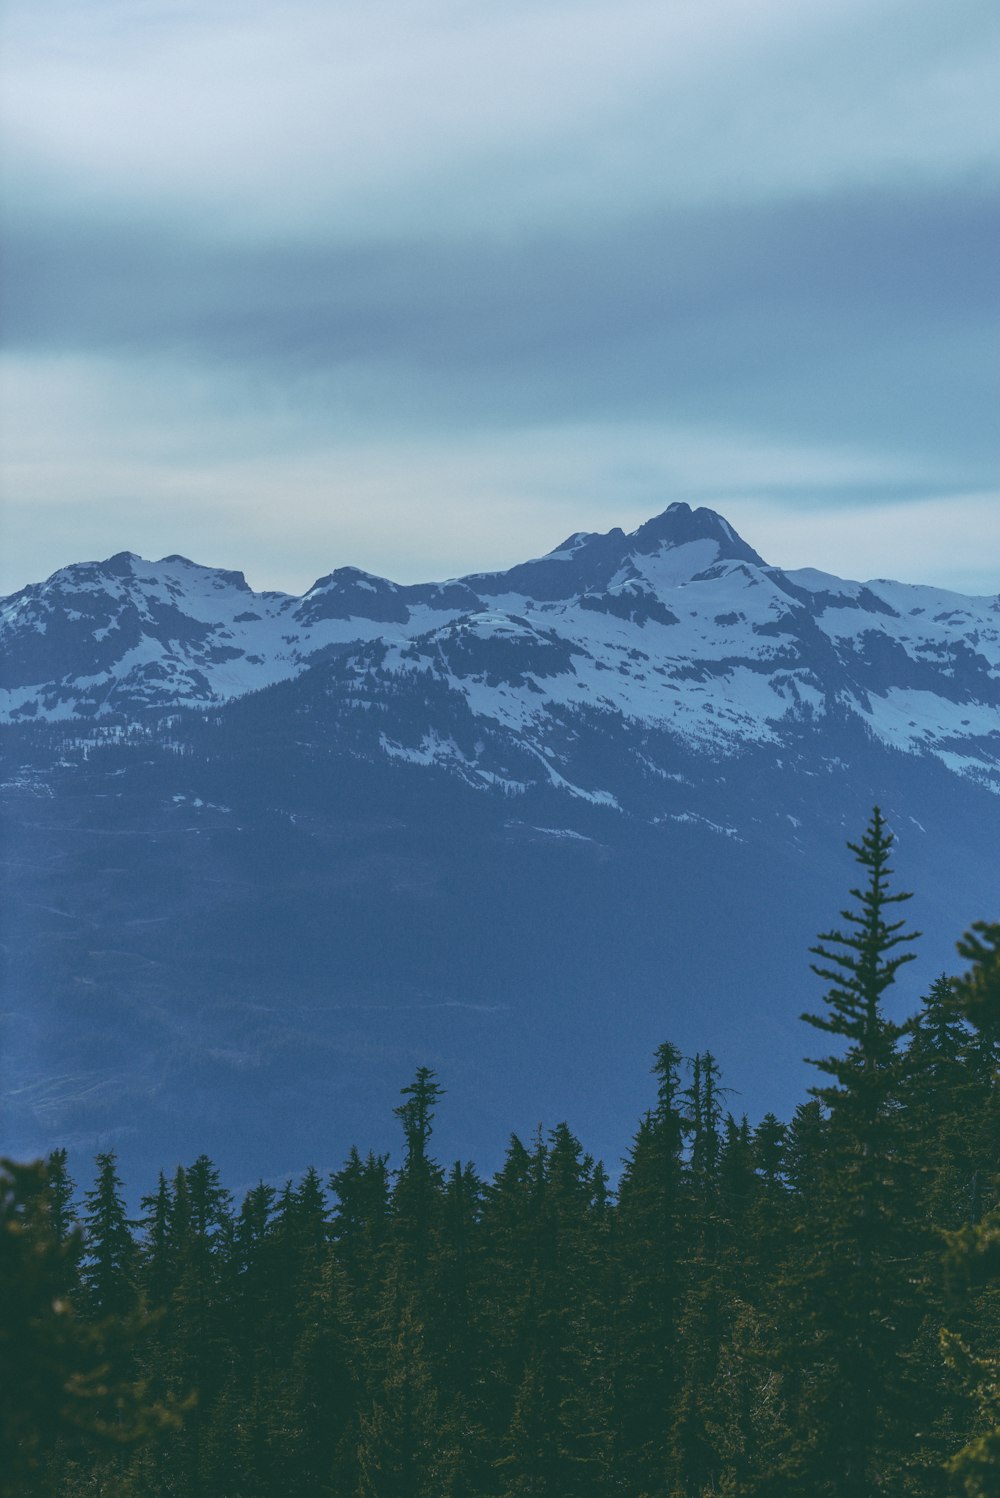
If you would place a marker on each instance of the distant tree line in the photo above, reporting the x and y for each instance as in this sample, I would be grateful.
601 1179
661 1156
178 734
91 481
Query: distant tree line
794 1310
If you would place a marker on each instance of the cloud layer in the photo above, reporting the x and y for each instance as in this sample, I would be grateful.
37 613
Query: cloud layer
414 285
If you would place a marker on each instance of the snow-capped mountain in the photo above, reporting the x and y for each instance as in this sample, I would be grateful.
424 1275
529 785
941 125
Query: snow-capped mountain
680 626
263 855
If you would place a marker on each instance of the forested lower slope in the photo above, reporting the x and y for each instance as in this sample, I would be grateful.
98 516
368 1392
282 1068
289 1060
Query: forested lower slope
800 1308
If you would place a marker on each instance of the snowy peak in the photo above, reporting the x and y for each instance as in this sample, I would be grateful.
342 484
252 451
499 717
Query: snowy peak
590 563
679 525
582 563
349 593
679 627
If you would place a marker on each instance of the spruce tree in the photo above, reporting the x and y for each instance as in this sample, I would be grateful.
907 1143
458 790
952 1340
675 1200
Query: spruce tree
399 1449
110 1266
323 1392
854 1292
156 1247
418 1190
60 1189
201 1239
973 1256
360 1228
511 1211
653 1222
695 1457
559 1438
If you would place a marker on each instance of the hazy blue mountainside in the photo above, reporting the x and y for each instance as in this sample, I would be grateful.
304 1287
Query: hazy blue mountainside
264 854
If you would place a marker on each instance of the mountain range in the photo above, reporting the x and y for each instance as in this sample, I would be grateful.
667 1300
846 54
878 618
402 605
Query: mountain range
264 854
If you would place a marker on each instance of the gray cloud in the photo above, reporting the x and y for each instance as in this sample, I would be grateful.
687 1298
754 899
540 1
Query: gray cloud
397 240
374 117
859 318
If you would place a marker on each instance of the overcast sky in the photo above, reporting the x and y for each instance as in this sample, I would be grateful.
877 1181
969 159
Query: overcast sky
422 287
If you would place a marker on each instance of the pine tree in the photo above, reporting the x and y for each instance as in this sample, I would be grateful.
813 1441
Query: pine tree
110 1267
43 1356
695 1458
456 1284
360 1221
60 1189
948 1076
360 1232
156 1249
973 1257
851 1286
559 1436
860 965
399 1446
653 1221
323 1392
511 1211
418 1190
769 1225
68 1399
197 1349
756 1316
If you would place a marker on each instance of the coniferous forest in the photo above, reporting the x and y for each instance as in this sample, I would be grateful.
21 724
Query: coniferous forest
807 1307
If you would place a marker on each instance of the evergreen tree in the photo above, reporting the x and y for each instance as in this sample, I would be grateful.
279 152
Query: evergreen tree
110 1265
757 1315
44 1359
456 1285
323 1393
156 1249
559 1437
652 1221
417 1193
695 1458
197 1349
60 1189
360 1232
71 1407
511 1212
360 1222
851 1287
399 1447
974 1251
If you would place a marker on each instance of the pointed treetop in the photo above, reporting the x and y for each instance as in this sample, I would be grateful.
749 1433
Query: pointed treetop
860 962
417 1113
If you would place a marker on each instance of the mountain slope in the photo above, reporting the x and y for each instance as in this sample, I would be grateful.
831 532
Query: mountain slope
265 855
679 626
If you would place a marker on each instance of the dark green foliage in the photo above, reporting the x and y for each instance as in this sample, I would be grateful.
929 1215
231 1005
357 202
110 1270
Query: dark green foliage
71 1404
653 1225
110 1267
59 1190
973 1258
852 1276
978 991
756 1311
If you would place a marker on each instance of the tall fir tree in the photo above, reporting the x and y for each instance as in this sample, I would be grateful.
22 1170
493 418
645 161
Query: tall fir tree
110 1267
60 1191
653 1222
973 1252
419 1186
858 1402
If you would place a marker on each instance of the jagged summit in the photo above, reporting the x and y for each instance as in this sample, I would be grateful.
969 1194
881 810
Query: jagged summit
588 562
679 525
257 844
679 625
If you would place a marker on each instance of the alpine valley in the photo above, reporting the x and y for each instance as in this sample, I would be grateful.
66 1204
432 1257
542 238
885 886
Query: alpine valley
264 855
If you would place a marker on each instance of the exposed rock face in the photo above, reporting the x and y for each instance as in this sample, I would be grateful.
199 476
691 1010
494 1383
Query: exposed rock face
679 627
265 855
